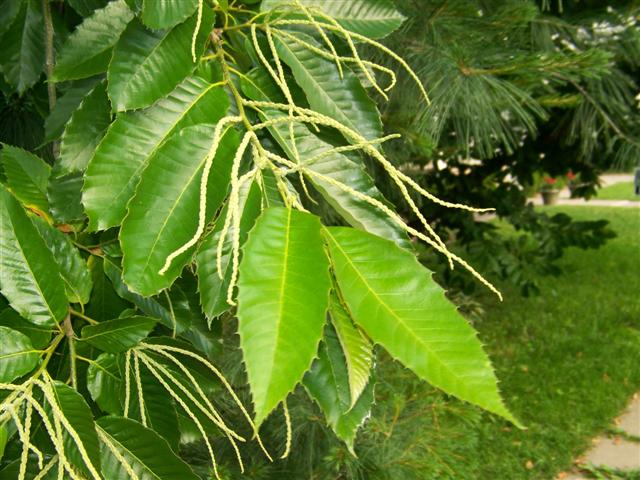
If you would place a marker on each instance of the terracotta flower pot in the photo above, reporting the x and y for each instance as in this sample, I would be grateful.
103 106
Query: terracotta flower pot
550 197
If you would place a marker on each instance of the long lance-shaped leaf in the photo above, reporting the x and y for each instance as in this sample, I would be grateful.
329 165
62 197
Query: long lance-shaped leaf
84 131
357 349
114 170
213 289
27 176
65 197
118 335
87 51
144 451
170 187
22 53
343 99
147 65
29 276
327 383
166 13
55 123
79 416
17 355
73 268
399 305
371 18
283 293
359 214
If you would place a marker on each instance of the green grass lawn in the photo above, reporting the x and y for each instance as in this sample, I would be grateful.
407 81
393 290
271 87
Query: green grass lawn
568 359
618 191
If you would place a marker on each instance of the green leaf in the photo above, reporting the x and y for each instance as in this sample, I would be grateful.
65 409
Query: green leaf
87 51
357 350
282 303
359 214
73 268
114 170
147 65
8 14
155 307
166 13
17 355
119 335
159 407
65 196
104 303
27 176
399 305
4 437
104 383
79 416
147 453
87 7
170 187
55 122
29 276
85 130
327 383
39 337
22 53
213 289
371 18
343 99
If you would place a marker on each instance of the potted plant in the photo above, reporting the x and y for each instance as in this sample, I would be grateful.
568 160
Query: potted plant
550 190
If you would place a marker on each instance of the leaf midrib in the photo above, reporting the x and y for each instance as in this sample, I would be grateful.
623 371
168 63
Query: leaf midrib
391 311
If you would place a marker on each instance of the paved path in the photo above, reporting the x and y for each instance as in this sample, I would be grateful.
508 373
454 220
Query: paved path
617 452
607 180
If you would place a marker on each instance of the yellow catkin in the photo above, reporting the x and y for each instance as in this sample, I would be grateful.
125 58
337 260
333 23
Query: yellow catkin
194 37
45 470
329 56
191 415
222 379
138 379
287 421
204 181
106 440
127 383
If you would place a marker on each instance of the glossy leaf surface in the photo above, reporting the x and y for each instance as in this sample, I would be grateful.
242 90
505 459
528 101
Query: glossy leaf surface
166 13
149 64
372 18
27 176
79 416
399 305
73 268
17 355
65 197
144 450
283 293
39 336
84 131
104 382
88 49
66 104
170 187
22 53
29 276
119 335
114 171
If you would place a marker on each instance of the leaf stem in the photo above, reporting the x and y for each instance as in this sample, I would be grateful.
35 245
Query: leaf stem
49 62
90 320
70 334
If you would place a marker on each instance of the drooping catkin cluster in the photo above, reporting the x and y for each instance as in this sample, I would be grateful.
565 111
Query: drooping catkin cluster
20 406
